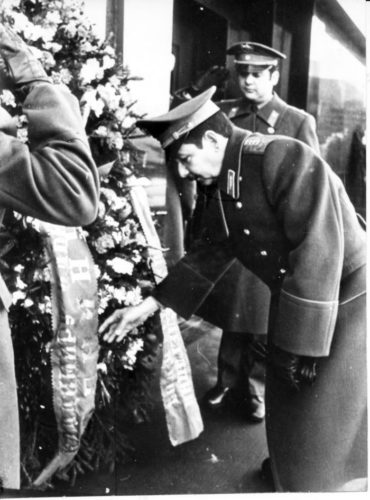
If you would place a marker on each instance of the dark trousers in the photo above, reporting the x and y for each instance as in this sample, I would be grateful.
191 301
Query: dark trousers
241 363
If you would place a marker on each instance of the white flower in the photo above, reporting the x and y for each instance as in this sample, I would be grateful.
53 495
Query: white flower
109 96
109 194
36 32
21 285
20 22
45 307
120 294
47 60
10 4
28 302
121 266
130 356
70 29
108 62
97 271
140 239
97 107
91 70
86 47
101 131
102 367
128 121
114 80
103 243
18 295
110 222
117 236
133 297
101 210
53 17
22 134
120 113
41 275
136 256
115 140
103 303
7 98
109 50
53 47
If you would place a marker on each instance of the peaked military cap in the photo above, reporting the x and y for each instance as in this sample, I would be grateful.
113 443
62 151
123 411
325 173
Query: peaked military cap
173 125
255 54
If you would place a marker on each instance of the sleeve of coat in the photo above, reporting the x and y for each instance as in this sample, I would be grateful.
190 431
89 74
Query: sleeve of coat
307 133
193 278
306 194
54 178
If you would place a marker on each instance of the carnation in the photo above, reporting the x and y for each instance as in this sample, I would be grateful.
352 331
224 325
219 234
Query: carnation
121 266
91 70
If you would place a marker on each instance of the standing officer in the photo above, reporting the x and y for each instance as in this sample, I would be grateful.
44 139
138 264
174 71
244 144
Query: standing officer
241 370
53 179
279 209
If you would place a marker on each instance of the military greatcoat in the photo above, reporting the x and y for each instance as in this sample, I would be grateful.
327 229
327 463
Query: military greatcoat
55 179
287 218
227 309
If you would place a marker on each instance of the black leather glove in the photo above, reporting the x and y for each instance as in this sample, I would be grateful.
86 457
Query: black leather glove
216 75
291 369
18 63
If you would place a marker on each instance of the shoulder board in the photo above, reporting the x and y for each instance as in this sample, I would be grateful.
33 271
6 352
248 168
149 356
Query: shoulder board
298 111
257 143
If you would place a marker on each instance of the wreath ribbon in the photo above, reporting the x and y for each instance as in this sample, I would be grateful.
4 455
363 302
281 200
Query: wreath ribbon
184 421
74 347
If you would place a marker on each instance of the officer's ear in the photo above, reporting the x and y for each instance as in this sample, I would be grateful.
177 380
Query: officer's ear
275 75
212 138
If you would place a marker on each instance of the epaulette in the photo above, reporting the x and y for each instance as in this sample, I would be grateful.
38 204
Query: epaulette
257 143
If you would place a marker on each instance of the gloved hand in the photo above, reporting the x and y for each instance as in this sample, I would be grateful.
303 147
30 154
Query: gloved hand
215 75
291 369
18 63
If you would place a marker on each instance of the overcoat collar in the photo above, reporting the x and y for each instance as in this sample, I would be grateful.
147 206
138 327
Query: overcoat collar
269 113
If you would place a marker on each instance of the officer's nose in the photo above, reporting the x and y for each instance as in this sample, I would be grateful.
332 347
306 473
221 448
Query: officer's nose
183 172
248 77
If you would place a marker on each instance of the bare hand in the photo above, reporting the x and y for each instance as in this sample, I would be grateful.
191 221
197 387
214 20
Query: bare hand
122 321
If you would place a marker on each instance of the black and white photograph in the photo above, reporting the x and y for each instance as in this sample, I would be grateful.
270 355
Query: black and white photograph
183 248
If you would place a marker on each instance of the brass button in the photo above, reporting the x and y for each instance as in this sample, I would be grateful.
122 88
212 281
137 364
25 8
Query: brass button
247 232
271 130
239 205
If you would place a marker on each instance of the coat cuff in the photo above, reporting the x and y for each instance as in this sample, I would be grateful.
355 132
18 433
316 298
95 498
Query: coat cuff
184 289
304 327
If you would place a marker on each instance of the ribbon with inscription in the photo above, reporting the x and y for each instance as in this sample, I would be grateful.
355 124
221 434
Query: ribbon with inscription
184 421
75 347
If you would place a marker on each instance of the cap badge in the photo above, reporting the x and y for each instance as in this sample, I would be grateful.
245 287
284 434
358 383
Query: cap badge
181 131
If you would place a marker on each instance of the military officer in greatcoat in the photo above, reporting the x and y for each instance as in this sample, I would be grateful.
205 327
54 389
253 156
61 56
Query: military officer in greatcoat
53 179
274 205
240 382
